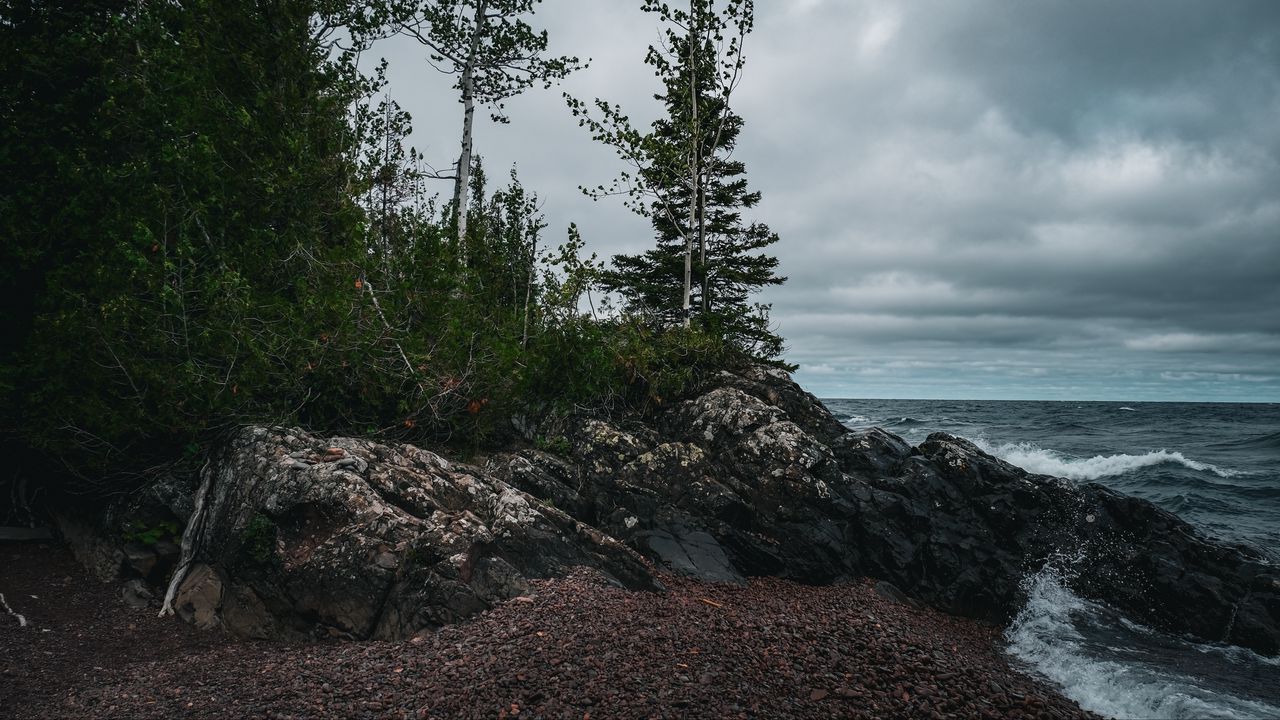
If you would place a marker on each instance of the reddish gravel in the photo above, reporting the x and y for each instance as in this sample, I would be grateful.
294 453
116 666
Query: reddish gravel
575 648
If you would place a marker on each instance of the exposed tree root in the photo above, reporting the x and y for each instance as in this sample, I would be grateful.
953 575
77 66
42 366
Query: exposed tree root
192 539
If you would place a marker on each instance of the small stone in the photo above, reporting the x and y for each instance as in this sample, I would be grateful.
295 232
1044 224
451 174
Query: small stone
167 550
136 594
140 558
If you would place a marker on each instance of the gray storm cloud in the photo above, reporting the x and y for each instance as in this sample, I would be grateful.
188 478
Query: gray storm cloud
975 199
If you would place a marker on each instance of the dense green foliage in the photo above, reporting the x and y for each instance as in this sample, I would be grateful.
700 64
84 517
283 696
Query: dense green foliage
176 220
207 219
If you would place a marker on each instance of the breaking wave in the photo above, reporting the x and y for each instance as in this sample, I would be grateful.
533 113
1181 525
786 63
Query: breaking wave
1035 459
1132 672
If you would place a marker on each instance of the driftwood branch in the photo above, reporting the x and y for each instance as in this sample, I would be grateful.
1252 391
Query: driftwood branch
192 537
22 621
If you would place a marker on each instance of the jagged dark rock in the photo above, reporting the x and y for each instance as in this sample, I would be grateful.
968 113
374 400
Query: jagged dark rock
750 476
691 552
783 489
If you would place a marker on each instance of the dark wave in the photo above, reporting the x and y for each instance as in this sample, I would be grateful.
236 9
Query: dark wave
1269 441
1066 425
1260 492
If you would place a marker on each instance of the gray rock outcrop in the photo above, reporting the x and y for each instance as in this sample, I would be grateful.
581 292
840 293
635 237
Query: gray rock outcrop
751 475
351 538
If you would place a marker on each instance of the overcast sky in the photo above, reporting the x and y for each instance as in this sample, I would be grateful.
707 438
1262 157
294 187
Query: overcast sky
989 200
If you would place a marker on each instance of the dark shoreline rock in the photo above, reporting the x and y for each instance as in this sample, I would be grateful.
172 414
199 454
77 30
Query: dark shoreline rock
786 491
751 476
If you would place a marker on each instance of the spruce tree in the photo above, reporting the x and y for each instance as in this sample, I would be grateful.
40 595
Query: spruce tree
696 191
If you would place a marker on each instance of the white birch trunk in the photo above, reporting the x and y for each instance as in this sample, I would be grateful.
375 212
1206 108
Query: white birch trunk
704 179
694 170
462 180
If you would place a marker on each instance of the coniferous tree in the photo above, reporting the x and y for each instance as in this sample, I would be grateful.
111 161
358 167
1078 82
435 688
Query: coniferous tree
707 260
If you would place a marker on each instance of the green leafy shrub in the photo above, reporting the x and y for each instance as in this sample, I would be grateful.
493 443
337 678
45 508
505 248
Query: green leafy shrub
556 444
150 533
259 539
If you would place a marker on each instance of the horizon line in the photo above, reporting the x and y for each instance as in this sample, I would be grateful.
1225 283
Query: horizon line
1089 400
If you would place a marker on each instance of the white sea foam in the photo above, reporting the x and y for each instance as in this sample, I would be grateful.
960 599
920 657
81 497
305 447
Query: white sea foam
1047 637
1126 409
1032 458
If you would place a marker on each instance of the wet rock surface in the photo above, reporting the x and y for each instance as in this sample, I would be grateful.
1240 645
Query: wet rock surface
573 647
965 528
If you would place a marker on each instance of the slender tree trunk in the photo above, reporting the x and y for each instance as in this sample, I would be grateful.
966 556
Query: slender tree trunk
386 192
702 180
688 264
702 236
695 171
528 289
462 179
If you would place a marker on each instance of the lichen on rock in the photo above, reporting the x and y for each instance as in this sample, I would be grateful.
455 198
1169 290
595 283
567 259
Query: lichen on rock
749 476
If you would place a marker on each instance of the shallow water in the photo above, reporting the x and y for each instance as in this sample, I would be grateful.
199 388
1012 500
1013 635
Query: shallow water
1215 465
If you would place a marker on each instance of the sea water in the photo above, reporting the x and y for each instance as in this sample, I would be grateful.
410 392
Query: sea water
1215 465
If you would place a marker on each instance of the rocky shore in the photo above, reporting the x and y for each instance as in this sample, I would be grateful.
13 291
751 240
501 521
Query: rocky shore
744 522
573 647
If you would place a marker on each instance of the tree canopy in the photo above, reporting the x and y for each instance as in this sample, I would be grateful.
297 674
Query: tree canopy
211 216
